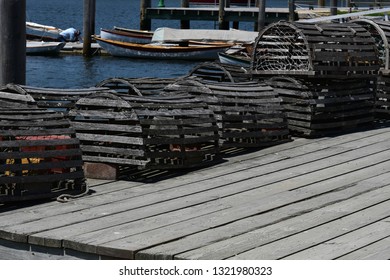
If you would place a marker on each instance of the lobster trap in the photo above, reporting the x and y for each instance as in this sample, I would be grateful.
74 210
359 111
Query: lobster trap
217 72
319 107
325 74
249 114
323 50
137 86
57 99
39 152
380 32
146 132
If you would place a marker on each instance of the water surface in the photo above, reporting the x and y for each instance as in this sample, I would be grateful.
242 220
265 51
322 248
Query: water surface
70 71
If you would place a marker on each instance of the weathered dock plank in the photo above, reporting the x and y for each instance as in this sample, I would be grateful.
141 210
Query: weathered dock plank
348 242
379 250
12 251
320 234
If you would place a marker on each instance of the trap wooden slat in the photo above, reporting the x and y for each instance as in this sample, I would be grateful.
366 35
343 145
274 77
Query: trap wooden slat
382 98
12 100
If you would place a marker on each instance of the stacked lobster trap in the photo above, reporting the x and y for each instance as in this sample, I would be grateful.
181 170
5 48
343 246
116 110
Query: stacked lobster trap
61 100
39 152
248 114
146 132
323 72
136 86
380 31
218 72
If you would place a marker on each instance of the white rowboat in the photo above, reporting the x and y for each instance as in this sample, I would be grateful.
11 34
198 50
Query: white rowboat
43 48
126 35
192 51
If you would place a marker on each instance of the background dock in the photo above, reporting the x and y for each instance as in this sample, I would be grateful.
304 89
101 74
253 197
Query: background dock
238 14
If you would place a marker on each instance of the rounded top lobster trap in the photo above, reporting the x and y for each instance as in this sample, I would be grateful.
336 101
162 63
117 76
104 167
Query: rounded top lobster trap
39 152
147 132
57 99
137 86
315 49
249 114
380 31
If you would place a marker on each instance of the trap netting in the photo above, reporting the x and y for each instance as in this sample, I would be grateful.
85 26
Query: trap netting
281 48
326 50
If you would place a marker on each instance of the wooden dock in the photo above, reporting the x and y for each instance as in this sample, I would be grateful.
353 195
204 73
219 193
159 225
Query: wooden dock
234 14
325 198
238 14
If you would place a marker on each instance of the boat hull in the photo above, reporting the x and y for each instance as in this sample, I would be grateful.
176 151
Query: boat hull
233 60
43 48
126 35
165 34
42 32
162 51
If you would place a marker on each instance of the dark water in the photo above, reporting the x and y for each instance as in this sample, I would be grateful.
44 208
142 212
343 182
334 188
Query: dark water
76 71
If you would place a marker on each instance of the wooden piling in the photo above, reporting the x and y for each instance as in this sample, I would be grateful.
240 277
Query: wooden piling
236 24
145 24
185 24
261 19
89 25
291 10
12 41
321 3
221 15
333 7
93 16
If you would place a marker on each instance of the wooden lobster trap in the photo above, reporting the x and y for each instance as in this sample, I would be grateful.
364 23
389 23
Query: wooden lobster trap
322 50
54 98
380 32
155 133
13 100
325 74
137 86
318 107
39 152
218 72
249 114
